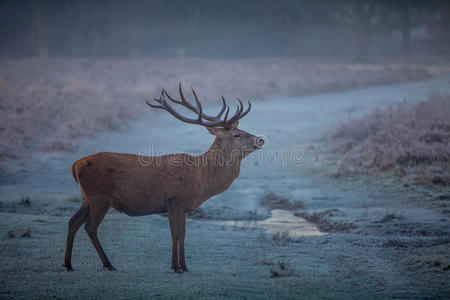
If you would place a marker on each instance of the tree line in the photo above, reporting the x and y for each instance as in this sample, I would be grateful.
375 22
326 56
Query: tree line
205 27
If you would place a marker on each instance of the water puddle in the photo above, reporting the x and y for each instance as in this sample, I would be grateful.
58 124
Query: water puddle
281 221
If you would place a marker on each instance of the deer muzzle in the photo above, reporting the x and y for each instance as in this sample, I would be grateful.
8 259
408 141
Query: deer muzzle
259 142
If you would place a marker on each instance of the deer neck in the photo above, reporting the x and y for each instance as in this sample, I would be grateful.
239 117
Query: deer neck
221 167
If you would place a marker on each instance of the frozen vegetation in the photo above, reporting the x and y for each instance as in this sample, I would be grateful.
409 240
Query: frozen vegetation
49 104
282 230
409 139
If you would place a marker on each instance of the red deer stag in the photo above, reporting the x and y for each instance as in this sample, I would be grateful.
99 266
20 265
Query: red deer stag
176 183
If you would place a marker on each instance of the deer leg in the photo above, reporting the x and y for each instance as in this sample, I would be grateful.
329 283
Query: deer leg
91 228
78 219
182 231
174 221
174 233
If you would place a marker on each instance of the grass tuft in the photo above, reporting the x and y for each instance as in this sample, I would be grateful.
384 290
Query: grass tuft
282 269
274 201
282 238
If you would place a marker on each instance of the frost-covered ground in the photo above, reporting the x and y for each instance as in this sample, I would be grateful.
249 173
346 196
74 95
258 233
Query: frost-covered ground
397 247
50 104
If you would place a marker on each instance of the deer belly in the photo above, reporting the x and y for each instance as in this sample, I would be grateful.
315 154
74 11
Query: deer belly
140 208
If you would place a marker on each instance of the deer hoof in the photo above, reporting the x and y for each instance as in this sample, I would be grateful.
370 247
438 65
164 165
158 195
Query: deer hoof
109 267
68 267
184 268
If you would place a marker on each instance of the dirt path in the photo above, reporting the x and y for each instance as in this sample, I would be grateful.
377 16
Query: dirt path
399 247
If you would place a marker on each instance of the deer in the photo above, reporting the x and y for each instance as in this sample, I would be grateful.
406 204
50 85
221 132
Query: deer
175 184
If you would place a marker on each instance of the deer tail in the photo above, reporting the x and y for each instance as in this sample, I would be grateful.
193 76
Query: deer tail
74 173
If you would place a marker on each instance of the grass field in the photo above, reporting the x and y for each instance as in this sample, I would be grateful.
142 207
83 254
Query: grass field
49 104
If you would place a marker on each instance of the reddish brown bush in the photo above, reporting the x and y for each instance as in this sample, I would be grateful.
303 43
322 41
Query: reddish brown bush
410 139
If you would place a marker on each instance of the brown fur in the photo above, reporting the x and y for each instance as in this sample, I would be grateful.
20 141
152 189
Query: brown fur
74 174
138 186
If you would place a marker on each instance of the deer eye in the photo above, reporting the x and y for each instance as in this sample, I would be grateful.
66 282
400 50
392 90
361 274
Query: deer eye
237 135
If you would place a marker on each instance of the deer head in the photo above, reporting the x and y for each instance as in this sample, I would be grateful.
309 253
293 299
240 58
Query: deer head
233 142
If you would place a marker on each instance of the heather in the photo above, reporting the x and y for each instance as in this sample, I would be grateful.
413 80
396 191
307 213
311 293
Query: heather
409 139
49 104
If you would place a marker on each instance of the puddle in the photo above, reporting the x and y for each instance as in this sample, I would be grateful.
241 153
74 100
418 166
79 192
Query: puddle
281 221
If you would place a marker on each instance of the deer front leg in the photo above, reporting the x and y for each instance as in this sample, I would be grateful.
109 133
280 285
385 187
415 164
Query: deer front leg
182 260
175 218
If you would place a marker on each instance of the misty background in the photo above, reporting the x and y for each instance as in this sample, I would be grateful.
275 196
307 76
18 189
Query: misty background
229 29
361 89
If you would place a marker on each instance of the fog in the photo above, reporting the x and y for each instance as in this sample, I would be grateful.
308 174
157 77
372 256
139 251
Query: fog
202 28
347 198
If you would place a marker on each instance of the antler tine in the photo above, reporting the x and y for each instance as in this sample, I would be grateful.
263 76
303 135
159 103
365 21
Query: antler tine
201 117
241 113
196 98
192 108
205 116
236 116
153 105
166 106
224 106
199 106
183 99
226 115
246 111
160 101
242 107
172 99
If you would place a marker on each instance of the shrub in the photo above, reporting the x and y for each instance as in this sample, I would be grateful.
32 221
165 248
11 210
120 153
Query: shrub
409 139
274 201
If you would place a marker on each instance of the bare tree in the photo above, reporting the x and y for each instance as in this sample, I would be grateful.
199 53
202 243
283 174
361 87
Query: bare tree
409 14
364 16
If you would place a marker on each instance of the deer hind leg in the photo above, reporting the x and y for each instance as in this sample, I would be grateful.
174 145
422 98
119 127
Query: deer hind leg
91 227
78 219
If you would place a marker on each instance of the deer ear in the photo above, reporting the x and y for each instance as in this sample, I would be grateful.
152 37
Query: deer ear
213 130
235 125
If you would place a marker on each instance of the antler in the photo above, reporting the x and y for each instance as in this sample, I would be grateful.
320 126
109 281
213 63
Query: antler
202 119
